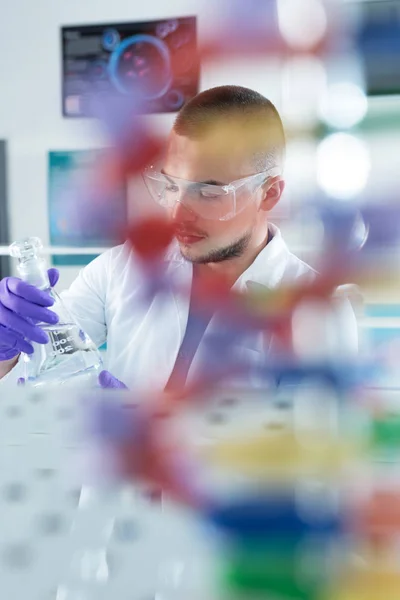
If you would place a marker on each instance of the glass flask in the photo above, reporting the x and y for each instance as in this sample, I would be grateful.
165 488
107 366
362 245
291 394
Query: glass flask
70 357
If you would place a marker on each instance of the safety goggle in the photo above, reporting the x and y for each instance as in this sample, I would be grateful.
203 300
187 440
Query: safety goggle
214 202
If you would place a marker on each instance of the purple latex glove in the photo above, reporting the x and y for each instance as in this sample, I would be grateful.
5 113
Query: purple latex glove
21 306
108 381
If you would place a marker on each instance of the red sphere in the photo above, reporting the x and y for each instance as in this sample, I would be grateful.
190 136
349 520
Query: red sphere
151 236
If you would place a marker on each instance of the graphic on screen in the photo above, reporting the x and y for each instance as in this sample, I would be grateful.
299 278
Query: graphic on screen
75 219
378 41
156 59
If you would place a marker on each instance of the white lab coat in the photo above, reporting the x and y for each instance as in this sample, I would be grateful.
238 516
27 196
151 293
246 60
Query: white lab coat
143 339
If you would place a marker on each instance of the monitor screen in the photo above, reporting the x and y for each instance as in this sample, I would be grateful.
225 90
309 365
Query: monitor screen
378 42
76 219
159 58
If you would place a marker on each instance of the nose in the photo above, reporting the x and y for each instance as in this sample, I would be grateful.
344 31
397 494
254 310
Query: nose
181 213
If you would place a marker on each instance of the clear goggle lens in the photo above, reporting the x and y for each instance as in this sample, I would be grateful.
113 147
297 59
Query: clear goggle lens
206 200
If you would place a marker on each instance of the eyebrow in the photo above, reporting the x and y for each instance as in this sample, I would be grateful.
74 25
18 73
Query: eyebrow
208 182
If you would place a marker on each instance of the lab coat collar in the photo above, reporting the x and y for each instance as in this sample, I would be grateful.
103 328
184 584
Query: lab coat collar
269 265
267 269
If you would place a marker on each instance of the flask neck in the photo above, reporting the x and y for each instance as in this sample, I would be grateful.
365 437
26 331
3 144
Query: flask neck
34 271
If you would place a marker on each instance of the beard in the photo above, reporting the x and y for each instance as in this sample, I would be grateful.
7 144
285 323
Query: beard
233 250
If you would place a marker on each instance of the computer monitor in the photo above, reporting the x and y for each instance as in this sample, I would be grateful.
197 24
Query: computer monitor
378 42
157 58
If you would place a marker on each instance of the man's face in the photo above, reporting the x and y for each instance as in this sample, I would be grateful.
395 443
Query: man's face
205 240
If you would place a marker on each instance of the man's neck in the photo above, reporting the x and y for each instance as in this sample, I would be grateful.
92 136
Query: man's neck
232 269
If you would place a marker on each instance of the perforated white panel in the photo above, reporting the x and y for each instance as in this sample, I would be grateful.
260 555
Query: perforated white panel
60 540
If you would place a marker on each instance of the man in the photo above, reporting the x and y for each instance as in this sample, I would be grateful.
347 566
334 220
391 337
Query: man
221 176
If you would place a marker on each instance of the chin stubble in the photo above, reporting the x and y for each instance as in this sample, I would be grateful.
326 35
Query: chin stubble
234 250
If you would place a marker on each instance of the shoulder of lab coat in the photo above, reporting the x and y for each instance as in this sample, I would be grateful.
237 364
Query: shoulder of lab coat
276 265
86 298
95 288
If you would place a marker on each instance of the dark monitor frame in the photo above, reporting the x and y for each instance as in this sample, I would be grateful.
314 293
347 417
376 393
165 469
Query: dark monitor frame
120 25
4 214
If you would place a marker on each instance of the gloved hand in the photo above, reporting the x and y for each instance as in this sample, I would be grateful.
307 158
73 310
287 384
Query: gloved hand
108 381
22 306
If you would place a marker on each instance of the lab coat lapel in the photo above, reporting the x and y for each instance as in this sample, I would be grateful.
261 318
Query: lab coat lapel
180 273
162 328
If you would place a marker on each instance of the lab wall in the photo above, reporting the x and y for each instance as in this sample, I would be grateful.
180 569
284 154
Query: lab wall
30 98
31 117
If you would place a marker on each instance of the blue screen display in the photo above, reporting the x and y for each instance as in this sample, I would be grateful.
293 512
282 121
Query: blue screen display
159 58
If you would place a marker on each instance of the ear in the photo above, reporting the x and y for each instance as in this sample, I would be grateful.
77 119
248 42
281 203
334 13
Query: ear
272 191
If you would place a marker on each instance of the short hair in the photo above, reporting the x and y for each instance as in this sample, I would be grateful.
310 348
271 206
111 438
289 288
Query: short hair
243 115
